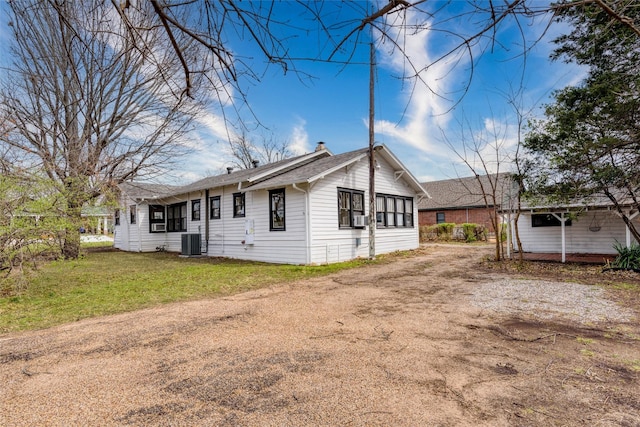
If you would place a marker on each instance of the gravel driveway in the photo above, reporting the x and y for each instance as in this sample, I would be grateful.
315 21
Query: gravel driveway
430 339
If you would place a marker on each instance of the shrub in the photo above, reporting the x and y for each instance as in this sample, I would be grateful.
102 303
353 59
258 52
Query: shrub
445 230
628 257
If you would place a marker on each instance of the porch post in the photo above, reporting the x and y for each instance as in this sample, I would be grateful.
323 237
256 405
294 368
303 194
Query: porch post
562 220
564 248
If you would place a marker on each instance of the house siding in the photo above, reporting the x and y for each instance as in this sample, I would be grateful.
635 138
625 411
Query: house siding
330 243
578 237
227 233
312 234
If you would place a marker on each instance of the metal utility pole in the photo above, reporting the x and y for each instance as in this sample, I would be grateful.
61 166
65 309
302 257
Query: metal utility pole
372 162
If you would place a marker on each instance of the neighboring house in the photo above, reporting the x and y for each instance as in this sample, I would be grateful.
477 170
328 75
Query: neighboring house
98 219
588 227
310 209
462 200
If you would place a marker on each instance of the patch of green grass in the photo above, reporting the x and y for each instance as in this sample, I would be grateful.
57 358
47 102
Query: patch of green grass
587 353
623 286
634 365
584 341
103 283
105 244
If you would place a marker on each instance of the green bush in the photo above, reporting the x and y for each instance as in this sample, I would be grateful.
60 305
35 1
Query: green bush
445 230
628 257
469 231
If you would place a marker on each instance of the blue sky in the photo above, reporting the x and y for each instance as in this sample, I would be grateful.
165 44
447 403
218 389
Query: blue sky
420 124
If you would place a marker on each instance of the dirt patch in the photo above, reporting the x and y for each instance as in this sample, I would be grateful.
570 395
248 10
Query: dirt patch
439 338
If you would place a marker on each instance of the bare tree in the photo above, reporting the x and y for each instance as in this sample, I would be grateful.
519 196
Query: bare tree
246 151
484 154
86 105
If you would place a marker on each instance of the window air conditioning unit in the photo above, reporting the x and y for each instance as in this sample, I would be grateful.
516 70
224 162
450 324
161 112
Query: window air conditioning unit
360 221
191 244
158 227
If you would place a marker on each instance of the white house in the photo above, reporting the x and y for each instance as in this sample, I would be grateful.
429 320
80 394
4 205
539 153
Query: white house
310 209
588 227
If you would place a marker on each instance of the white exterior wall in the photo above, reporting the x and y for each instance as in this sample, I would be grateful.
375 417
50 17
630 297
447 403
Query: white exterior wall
395 238
324 242
331 244
578 238
227 233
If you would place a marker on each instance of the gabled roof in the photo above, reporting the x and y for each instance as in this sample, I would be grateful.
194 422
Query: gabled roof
460 193
143 190
301 169
313 171
253 174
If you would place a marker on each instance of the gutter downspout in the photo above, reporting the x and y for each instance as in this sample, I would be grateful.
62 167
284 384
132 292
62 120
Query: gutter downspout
307 236
206 221
138 221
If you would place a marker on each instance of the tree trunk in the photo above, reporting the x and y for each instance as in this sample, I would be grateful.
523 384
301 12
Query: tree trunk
71 245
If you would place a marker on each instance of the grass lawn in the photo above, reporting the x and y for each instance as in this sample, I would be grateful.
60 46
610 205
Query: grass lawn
108 282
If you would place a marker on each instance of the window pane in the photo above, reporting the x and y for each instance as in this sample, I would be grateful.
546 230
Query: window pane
408 205
408 220
358 202
380 210
277 209
344 202
391 204
132 214
215 207
238 205
195 210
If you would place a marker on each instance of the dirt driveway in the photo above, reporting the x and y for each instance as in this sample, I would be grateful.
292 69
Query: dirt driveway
434 339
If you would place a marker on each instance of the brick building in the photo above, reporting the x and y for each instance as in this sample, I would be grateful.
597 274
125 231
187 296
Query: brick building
461 200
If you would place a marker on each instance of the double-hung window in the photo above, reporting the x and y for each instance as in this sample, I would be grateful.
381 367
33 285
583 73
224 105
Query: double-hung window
238 205
177 217
276 208
350 203
156 219
195 210
215 207
394 211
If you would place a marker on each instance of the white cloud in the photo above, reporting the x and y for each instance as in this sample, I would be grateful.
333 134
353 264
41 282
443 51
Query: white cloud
299 138
427 109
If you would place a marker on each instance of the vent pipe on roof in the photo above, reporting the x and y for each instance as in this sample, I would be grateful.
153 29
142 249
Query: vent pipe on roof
255 163
320 146
229 169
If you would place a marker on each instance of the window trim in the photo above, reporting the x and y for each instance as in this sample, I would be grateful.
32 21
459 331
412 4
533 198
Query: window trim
211 211
236 213
171 222
351 192
195 213
438 218
272 210
401 218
